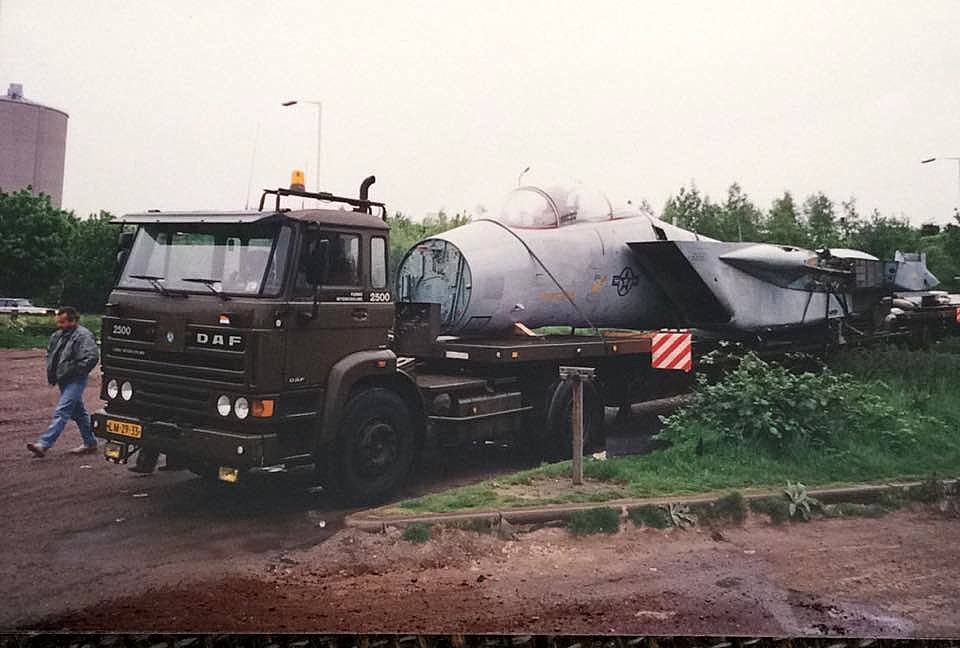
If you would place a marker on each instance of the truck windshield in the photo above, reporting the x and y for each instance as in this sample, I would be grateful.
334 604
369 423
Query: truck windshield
230 258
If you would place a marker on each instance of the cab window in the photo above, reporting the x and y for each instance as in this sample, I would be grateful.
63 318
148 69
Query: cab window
339 255
378 262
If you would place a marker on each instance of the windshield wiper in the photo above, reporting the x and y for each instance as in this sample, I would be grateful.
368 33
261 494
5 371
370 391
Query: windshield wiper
155 282
209 284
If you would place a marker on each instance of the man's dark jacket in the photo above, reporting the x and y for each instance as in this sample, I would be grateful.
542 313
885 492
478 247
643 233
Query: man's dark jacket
77 357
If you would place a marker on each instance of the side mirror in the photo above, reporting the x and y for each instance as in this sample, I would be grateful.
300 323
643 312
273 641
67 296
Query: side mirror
121 260
316 270
316 274
125 240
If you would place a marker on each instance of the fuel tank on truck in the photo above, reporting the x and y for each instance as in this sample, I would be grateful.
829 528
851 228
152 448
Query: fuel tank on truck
555 256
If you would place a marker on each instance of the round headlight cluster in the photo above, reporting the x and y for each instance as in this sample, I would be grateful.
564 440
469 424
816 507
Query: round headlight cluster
241 408
113 388
126 390
224 405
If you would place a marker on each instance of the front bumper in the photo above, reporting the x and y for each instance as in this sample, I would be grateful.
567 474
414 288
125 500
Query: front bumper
192 443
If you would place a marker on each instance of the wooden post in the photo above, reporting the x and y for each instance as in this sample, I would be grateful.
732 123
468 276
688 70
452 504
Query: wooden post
576 376
577 430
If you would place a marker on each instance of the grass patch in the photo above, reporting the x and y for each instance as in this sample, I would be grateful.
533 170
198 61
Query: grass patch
908 432
418 532
602 519
649 515
33 331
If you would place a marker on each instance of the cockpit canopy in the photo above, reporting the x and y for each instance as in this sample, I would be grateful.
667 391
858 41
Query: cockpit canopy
556 206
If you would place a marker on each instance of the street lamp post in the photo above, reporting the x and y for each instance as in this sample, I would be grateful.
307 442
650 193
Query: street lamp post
520 177
319 105
957 159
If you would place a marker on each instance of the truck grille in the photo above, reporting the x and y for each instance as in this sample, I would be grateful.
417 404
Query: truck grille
171 396
214 366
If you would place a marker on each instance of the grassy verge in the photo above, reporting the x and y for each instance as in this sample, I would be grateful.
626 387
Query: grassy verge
33 331
916 438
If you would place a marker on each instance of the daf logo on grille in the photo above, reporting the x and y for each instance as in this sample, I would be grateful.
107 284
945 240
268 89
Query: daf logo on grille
170 337
218 340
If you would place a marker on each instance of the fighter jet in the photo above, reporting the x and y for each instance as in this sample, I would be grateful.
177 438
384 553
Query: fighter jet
565 256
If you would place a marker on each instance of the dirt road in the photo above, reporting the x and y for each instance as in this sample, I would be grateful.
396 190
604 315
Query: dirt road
169 553
78 530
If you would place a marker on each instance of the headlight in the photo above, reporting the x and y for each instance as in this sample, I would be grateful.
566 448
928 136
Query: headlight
241 408
113 388
126 390
223 406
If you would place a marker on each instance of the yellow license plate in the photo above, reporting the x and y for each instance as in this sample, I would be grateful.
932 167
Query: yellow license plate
134 430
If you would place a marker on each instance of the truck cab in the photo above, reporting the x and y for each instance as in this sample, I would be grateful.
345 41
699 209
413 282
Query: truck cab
242 340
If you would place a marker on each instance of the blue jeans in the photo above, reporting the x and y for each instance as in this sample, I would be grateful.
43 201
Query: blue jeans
70 406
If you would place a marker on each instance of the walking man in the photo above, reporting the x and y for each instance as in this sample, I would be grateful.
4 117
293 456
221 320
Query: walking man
71 356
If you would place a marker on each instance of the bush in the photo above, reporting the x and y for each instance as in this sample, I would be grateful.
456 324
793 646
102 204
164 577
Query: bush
776 507
650 516
418 532
764 406
602 519
729 509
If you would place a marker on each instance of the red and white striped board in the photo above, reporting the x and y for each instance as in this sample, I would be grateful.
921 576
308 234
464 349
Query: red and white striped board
672 351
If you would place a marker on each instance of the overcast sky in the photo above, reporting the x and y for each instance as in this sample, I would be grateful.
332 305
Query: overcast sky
447 102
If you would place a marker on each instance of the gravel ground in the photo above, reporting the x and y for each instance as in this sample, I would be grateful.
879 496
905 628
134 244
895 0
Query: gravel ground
90 546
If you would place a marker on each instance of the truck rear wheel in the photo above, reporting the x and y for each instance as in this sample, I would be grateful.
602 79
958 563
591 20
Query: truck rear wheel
375 446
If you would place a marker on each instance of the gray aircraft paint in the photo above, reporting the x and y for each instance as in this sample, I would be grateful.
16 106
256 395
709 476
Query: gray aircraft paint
619 269
486 279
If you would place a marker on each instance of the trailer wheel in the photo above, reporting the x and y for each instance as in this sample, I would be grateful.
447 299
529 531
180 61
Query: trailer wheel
558 443
374 448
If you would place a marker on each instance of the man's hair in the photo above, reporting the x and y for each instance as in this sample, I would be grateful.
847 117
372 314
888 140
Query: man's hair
70 312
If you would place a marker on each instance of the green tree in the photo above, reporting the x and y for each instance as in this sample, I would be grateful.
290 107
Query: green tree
93 251
882 236
739 219
34 246
818 210
783 224
850 220
693 211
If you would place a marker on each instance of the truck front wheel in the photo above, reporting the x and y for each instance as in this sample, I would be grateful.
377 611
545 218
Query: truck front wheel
375 446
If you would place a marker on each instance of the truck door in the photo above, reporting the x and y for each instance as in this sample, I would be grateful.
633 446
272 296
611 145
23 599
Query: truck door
352 315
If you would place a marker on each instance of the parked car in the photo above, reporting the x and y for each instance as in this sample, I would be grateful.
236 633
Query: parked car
20 306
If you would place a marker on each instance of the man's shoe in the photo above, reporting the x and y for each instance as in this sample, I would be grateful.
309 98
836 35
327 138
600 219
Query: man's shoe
84 449
38 451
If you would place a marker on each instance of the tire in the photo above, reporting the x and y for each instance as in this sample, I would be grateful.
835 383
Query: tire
375 447
558 444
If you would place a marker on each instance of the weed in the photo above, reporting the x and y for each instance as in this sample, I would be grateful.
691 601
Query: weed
680 516
799 503
776 508
418 532
650 516
602 519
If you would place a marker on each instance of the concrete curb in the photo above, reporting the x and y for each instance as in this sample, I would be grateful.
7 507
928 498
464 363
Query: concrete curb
370 521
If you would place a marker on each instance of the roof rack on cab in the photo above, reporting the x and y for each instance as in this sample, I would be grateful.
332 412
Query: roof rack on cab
361 204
